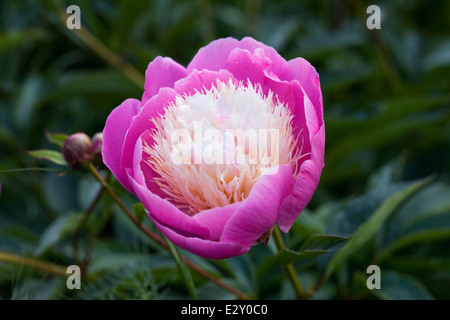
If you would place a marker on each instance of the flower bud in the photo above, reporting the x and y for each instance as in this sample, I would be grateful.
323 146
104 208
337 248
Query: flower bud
97 141
77 150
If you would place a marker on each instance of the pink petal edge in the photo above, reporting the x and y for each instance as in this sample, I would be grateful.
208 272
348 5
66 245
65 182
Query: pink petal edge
204 248
161 72
305 184
114 133
214 56
142 122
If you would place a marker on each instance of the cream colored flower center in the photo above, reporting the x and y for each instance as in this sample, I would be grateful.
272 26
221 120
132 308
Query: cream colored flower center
211 147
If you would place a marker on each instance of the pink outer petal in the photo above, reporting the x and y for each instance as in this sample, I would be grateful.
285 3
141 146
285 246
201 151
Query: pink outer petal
114 133
215 219
308 77
247 67
160 73
142 122
214 56
299 122
204 248
305 185
311 169
259 211
166 214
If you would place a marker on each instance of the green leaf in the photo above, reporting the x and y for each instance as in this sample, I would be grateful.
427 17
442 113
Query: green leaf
104 262
15 237
396 286
14 39
422 266
388 174
368 229
28 100
428 202
439 57
311 223
401 116
57 230
423 218
350 218
291 256
50 155
425 231
56 138
243 270
315 245
322 242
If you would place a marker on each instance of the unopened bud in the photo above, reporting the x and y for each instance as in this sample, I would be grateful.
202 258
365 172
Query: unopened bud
97 141
77 150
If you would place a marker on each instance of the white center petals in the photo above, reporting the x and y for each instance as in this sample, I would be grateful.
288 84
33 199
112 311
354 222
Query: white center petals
210 148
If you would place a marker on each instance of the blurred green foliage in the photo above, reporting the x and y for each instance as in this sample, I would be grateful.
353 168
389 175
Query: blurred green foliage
386 102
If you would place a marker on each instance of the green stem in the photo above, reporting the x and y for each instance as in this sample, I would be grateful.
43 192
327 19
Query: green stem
104 52
76 236
289 267
125 209
34 263
184 271
155 237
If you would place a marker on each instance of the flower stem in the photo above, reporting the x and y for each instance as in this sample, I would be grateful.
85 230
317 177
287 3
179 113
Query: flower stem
289 267
184 271
34 263
76 235
125 209
102 50
155 237
109 56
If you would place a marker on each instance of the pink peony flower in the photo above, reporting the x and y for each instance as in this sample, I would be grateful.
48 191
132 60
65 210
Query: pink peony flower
221 151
